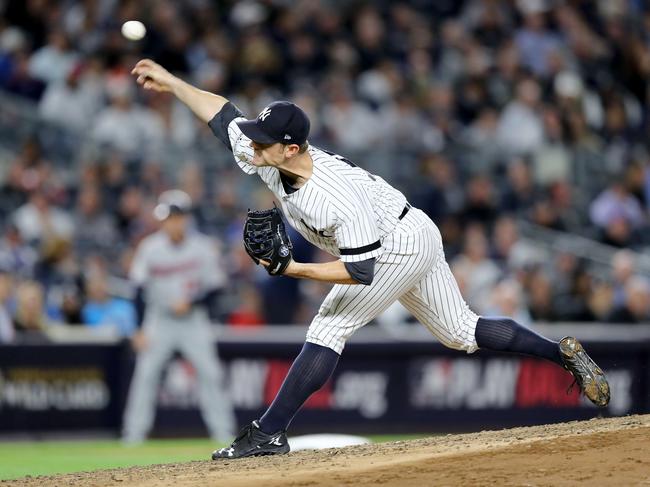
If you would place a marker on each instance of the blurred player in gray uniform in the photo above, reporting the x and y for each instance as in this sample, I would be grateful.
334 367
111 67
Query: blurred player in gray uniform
177 275
384 250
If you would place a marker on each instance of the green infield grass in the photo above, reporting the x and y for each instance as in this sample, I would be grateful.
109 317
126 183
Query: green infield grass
22 458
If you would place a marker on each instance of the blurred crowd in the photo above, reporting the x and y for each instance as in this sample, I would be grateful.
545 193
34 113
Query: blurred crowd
487 112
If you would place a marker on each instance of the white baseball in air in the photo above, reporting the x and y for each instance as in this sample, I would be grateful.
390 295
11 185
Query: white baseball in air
133 30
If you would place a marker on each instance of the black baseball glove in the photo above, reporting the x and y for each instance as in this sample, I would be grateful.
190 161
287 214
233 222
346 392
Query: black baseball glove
266 238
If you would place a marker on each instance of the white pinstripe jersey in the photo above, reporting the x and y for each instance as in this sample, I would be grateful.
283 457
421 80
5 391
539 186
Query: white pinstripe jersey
342 209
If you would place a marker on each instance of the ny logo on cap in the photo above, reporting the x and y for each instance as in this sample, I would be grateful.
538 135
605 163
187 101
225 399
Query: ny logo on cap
265 113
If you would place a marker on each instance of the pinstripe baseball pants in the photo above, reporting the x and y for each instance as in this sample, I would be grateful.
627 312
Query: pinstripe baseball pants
414 271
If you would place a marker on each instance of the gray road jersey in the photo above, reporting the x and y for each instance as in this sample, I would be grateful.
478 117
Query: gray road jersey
170 273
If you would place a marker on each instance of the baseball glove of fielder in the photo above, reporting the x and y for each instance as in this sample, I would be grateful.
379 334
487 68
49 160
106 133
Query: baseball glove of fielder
266 238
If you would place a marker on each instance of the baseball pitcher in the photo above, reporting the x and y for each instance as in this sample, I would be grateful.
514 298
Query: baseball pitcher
384 250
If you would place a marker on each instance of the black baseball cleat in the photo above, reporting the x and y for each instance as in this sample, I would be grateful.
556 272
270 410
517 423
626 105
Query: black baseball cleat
252 442
587 374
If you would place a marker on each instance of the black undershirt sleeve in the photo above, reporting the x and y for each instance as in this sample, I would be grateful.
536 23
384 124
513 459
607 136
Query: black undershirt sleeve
208 301
205 298
219 123
139 304
363 272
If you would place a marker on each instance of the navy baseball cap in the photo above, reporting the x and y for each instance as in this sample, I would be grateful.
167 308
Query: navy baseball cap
281 121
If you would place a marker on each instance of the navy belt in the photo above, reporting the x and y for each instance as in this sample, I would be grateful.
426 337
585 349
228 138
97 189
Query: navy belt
406 209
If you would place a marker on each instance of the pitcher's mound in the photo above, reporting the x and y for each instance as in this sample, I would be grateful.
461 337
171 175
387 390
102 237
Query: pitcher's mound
612 451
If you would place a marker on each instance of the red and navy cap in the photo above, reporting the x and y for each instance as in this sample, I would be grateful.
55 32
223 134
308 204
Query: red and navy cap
281 121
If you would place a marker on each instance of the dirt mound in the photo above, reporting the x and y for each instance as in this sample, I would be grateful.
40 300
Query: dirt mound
599 452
